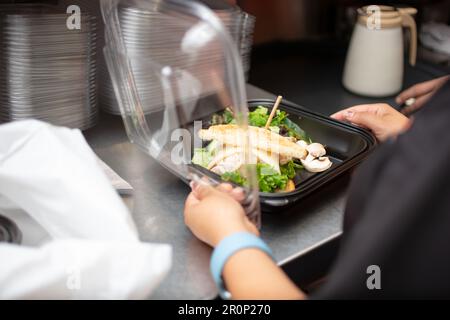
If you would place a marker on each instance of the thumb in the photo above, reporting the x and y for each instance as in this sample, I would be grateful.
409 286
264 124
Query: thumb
202 189
364 119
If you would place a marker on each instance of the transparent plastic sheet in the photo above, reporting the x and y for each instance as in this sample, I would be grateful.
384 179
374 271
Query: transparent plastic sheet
239 24
202 76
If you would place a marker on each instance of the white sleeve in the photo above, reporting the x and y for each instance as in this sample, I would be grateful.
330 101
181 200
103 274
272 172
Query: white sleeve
52 174
82 269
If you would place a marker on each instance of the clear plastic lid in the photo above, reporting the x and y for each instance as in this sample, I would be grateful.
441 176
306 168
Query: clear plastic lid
174 68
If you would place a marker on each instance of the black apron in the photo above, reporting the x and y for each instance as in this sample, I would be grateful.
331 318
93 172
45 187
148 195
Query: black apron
398 216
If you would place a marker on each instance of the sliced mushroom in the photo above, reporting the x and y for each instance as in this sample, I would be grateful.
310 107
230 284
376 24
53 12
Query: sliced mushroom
309 158
317 165
316 150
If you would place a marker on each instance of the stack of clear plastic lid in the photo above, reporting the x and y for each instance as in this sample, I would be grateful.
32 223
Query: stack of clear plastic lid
199 74
48 72
135 24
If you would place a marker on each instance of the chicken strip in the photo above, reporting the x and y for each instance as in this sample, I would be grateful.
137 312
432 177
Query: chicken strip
260 138
224 153
229 164
271 159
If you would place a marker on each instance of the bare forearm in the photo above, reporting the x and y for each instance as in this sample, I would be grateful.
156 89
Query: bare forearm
251 274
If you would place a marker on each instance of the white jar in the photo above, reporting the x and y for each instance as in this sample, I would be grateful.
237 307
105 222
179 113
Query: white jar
374 64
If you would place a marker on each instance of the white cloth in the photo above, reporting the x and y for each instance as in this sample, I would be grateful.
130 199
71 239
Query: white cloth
52 174
436 36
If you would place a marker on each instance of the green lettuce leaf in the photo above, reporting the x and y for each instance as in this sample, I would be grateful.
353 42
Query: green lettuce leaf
258 117
268 179
290 169
292 129
235 177
202 157
225 117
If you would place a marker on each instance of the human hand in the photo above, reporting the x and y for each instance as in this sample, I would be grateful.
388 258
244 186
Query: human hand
380 118
214 213
421 92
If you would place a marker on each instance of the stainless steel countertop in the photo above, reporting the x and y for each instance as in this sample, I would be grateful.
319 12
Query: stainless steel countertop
157 209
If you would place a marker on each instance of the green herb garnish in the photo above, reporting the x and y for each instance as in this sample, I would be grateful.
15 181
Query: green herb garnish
225 118
269 180
290 169
235 177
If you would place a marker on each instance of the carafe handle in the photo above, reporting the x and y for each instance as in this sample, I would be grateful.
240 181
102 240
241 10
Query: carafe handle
409 22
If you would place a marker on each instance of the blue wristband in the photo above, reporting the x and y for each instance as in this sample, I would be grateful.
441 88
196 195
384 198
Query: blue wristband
226 248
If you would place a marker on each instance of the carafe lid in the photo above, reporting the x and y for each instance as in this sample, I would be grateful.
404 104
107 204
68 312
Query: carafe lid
383 17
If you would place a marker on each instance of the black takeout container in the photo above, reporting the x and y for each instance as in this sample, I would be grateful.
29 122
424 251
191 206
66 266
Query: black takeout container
346 145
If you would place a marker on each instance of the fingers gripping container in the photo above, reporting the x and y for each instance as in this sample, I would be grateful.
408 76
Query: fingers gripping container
202 75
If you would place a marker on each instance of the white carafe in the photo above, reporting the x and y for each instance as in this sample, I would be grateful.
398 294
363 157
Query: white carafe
374 64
